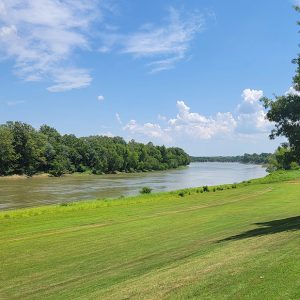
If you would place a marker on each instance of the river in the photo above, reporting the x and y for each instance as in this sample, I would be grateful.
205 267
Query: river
19 193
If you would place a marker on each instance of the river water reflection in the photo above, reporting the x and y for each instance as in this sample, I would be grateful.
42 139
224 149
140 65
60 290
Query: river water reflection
17 193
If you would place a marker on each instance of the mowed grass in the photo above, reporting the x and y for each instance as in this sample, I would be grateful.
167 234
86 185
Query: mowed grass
236 243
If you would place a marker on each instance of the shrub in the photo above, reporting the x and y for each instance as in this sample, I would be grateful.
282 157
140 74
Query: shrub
145 190
66 204
205 188
233 186
294 166
181 193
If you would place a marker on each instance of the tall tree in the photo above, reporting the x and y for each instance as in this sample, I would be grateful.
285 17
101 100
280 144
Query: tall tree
284 111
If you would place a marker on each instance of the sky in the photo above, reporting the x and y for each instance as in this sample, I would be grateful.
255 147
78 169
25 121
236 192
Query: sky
180 73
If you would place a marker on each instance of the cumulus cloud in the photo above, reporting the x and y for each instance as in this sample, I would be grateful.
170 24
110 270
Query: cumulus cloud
249 119
100 98
148 130
251 116
292 91
41 37
200 126
252 96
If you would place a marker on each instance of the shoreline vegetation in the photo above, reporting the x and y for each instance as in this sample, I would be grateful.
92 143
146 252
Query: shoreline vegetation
259 159
27 151
86 173
276 176
206 242
90 173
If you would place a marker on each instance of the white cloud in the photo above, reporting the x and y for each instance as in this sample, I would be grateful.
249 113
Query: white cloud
14 103
186 123
108 134
248 120
251 118
119 119
252 96
164 45
41 37
292 91
199 126
148 130
162 118
69 78
100 98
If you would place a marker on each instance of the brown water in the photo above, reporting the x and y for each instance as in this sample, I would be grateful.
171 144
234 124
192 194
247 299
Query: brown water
18 193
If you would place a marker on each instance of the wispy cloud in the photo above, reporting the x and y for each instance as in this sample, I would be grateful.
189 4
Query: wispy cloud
41 37
162 45
119 120
14 103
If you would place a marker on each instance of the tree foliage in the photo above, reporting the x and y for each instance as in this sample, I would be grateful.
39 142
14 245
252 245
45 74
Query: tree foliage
284 111
254 158
24 150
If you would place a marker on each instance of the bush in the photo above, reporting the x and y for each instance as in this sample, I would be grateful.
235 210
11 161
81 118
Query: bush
294 166
181 193
234 186
205 188
66 204
145 190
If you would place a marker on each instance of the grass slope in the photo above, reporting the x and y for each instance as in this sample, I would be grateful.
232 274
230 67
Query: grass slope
236 243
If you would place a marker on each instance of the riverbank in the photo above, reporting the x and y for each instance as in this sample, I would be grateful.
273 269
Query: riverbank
43 190
215 244
86 173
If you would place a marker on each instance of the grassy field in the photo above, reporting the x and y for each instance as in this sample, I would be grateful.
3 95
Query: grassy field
242 242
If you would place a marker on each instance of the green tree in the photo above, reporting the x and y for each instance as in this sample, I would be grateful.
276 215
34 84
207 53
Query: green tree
60 166
29 146
284 111
8 155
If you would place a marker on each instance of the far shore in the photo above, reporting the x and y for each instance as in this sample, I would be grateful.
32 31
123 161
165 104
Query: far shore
47 175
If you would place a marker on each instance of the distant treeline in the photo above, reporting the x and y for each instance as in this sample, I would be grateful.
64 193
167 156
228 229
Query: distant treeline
262 158
25 150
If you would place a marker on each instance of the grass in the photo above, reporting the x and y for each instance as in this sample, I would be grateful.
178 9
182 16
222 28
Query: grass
233 242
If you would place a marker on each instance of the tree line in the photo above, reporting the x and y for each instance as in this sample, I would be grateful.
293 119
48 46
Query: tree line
255 158
27 151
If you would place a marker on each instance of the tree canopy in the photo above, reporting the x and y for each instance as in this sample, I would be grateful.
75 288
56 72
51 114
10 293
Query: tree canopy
284 111
25 150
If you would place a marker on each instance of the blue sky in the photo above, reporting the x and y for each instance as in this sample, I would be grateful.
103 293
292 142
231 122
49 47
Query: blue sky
183 73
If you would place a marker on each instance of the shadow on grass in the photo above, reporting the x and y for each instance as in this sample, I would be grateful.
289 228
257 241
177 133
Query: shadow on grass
270 227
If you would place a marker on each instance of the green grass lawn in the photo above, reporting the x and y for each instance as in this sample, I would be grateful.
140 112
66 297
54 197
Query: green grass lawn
236 243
